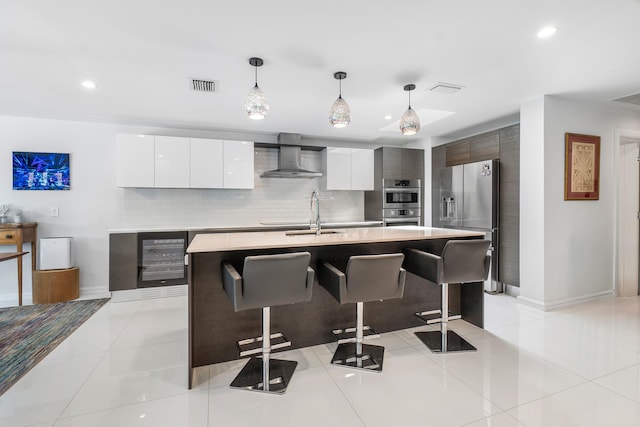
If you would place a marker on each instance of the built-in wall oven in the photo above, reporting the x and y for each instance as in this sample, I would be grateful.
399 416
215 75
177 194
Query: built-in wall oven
161 258
401 202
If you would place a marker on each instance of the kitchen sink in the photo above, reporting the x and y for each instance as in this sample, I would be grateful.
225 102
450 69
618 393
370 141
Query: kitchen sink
310 232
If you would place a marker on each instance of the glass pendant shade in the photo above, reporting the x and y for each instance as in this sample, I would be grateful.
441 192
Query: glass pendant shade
256 105
340 115
410 122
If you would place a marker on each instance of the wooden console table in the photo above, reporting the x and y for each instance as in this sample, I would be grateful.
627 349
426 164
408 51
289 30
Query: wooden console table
18 234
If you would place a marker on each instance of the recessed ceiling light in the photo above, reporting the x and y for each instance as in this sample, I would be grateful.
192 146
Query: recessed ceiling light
547 32
88 84
388 117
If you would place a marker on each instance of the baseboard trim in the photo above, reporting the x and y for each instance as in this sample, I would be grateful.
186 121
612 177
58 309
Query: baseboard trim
553 305
11 300
149 293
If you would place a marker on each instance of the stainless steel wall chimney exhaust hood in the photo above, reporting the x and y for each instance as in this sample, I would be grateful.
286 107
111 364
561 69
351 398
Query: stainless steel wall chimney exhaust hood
289 163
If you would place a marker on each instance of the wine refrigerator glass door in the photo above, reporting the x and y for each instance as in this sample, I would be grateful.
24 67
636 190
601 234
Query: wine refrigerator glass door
161 259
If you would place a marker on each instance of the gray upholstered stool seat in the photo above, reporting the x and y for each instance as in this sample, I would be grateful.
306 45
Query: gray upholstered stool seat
461 261
367 278
266 281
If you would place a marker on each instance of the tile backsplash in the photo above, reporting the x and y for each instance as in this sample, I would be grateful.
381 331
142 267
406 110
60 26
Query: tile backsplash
272 200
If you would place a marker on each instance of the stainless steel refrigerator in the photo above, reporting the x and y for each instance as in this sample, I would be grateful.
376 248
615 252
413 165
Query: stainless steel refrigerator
469 199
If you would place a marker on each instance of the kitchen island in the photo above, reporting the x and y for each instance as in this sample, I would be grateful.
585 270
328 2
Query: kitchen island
214 327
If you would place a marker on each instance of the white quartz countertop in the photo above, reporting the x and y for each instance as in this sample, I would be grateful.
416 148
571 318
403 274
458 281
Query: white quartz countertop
286 239
270 225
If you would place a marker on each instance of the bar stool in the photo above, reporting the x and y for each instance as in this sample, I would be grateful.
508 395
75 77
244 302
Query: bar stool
462 261
367 278
267 281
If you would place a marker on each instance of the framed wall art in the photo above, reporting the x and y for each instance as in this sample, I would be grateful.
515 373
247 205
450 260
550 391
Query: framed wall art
582 167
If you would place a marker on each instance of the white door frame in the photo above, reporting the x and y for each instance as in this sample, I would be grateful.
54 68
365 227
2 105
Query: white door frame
626 246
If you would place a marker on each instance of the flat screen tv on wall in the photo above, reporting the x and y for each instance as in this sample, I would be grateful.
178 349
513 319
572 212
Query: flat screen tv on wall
40 171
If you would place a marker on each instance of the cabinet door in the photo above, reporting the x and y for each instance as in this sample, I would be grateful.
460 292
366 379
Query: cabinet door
338 168
238 164
392 163
207 163
171 162
361 169
134 160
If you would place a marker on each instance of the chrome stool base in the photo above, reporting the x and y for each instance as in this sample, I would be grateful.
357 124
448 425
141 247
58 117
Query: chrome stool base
251 377
444 342
370 359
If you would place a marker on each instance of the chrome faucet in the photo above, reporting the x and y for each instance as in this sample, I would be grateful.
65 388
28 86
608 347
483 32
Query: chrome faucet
315 212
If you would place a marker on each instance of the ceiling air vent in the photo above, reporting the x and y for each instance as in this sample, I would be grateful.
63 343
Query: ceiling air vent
631 99
202 85
448 88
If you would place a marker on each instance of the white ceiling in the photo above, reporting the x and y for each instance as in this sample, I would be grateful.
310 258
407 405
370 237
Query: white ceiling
143 53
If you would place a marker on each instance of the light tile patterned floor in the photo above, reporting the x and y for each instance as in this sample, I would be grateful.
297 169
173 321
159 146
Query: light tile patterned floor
126 366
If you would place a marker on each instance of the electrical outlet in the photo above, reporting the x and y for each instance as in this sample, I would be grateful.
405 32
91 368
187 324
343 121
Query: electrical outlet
54 212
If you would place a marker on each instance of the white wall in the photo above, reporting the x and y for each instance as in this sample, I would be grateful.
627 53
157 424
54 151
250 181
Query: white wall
532 219
575 238
85 212
95 205
627 230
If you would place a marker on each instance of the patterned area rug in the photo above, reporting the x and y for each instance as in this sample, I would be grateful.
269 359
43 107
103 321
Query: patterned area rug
29 333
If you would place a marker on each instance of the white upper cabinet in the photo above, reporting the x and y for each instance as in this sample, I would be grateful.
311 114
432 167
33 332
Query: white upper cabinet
362 169
348 168
238 164
135 161
338 168
176 162
207 163
171 162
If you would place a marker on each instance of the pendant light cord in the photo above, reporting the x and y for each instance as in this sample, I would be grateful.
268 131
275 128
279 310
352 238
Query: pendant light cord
256 70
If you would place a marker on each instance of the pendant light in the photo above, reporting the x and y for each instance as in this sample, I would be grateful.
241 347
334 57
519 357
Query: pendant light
256 105
410 122
340 114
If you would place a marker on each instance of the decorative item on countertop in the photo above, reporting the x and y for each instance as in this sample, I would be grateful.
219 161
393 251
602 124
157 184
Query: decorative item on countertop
17 216
4 210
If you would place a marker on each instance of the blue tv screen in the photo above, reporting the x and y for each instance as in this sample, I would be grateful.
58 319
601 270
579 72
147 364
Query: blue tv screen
40 171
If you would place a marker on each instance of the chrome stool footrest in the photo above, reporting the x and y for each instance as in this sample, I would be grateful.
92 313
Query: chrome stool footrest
435 316
252 346
251 376
370 359
349 334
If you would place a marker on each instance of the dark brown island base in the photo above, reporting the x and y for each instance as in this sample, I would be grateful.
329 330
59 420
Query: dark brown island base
214 327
